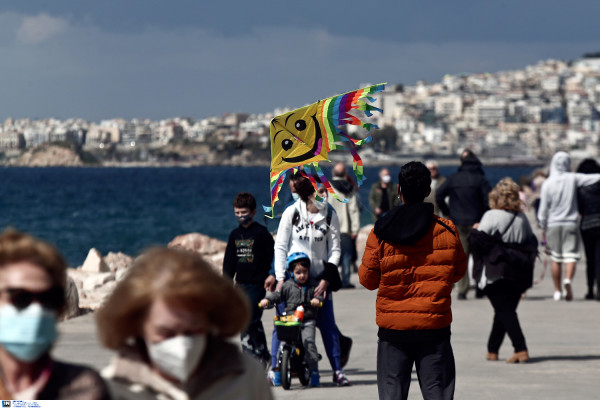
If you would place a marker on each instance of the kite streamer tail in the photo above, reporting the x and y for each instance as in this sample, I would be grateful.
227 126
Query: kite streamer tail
357 166
357 163
276 183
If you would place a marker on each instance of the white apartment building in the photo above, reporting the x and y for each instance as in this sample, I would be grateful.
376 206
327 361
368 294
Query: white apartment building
579 111
489 112
450 106
35 136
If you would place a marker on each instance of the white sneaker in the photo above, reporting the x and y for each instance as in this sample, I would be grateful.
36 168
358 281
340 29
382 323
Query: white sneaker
568 290
557 295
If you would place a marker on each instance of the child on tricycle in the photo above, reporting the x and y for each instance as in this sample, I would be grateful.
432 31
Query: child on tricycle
297 292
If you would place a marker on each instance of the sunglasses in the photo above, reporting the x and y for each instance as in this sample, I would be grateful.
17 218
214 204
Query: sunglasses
53 298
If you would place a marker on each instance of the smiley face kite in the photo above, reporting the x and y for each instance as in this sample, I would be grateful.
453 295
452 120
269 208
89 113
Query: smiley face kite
306 136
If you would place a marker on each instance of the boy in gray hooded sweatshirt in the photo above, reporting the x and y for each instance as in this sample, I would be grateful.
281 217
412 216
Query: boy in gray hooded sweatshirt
557 216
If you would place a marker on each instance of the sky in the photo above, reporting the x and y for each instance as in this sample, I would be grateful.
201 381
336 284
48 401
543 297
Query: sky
189 58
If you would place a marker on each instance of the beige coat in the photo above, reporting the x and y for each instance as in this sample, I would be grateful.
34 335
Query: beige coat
435 184
348 213
224 373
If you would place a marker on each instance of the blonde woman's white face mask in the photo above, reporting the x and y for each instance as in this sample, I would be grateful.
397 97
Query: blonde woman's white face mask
178 356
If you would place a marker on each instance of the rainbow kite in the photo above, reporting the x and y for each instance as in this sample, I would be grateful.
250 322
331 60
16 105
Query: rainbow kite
307 135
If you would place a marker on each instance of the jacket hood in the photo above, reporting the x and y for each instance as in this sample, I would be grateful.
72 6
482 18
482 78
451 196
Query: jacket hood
471 165
561 163
405 224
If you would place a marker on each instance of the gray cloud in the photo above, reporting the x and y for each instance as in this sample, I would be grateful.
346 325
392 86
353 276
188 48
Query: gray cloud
70 69
40 28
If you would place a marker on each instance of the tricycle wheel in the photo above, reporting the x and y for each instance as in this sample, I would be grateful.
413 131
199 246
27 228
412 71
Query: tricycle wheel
304 374
286 370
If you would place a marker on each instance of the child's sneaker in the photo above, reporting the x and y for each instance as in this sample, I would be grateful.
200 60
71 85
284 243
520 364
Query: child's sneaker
274 378
340 378
315 379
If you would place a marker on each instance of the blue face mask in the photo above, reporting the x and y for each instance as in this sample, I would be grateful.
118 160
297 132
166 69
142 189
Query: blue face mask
29 333
295 197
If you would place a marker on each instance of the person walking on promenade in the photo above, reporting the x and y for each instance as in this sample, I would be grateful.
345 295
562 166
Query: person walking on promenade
436 181
349 216
413 257
169 320
504 230
32 296
382 196
557 217
312 227
248 257
588 198
468 190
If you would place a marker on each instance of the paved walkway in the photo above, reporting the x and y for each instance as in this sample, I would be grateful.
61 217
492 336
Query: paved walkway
562 337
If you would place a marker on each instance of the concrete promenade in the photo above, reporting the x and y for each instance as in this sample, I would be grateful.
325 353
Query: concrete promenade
563 340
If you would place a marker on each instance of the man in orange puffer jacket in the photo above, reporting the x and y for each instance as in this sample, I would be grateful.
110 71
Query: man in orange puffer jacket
413 257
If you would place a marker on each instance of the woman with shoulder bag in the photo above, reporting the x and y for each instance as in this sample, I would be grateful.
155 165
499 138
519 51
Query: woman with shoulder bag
310 226
504 244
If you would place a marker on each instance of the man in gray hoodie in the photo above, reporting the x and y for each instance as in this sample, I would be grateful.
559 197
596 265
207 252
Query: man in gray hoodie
557 216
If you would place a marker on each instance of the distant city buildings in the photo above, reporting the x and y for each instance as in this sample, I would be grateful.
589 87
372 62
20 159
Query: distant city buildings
525 113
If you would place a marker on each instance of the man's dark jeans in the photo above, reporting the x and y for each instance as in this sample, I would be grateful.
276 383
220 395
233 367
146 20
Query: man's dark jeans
434 362
253 338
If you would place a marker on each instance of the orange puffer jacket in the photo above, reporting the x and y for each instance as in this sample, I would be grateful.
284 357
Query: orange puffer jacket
414 279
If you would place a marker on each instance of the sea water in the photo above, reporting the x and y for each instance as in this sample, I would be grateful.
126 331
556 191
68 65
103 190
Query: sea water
131 209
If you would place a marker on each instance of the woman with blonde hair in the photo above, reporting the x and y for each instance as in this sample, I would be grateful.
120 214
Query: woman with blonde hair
32 297
504 243
169 319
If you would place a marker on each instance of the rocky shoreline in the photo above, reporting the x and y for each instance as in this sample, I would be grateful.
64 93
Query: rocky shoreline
92 282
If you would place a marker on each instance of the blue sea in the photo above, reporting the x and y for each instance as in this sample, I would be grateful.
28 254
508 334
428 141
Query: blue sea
130 209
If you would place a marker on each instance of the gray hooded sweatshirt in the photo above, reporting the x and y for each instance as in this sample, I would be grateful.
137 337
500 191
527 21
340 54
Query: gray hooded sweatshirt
558 199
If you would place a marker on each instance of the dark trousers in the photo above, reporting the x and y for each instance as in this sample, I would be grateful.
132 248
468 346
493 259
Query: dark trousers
591 243
253 339
505 299
434 362
347 244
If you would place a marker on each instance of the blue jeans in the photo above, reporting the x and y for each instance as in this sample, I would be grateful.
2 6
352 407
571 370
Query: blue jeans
347 244
330 334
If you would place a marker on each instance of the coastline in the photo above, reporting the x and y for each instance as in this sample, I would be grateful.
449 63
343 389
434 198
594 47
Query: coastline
494 162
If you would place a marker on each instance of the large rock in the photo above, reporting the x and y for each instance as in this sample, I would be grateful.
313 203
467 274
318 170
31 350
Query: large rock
200 243
94 262
95 280
118 261
212 249
71 300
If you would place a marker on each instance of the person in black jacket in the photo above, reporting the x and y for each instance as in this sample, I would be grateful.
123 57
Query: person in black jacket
468 190
248 258
588 199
